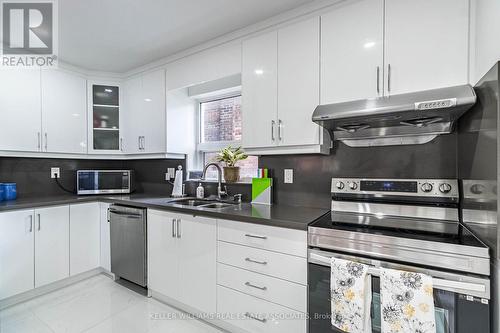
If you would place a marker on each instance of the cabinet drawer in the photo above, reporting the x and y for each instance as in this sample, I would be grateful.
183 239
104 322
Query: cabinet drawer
282 240
272 289
279 265
256 315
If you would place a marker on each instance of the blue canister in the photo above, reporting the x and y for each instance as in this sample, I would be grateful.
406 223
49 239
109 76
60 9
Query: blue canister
9 191
2 192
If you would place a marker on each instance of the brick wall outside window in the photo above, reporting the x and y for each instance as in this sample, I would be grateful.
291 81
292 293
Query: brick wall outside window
221 120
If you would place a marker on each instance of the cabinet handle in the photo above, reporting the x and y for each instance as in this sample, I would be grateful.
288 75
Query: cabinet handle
109 216
255 236
139 142
39 222
46 141
179 228
173 228
280 125
378 80
39 145
31 223
143 144
256 261
254 286
272 129
389 78
249 315
121 144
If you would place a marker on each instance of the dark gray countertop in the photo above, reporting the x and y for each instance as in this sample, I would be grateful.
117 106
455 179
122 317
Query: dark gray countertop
291 217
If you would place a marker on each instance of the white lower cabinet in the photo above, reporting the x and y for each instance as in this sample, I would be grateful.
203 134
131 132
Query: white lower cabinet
17 242
45 245
279 265
256 315
197 262
163 254
182 258
51 244
262 277
292 295
84 237
105 248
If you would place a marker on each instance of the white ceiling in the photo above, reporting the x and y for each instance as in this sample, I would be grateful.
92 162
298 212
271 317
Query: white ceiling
120 35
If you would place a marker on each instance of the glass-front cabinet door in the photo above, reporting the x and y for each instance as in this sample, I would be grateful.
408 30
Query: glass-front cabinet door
105 117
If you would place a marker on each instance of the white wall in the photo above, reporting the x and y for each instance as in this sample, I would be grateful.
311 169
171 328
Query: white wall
208 65
485 33
182 126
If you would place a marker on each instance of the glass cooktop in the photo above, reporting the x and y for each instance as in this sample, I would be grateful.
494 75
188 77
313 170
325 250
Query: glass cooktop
453 233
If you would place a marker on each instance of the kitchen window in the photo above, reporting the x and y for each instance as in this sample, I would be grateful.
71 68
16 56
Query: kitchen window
220 126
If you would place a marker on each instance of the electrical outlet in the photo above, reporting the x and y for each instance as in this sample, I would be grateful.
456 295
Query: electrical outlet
288 176
55 173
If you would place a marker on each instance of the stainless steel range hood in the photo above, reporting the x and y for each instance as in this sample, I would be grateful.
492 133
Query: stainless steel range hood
413 118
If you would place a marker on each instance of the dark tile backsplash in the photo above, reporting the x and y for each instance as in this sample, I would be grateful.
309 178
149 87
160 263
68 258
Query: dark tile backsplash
312 173
32 175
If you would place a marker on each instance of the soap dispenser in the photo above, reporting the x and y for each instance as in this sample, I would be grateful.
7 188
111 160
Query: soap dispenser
200 192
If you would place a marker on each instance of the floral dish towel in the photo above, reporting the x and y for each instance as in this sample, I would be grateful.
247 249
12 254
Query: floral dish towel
350 291
407 302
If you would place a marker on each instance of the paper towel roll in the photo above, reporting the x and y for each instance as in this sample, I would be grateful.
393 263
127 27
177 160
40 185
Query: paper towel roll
177 191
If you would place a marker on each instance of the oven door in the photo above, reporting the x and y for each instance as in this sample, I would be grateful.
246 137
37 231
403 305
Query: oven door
461 302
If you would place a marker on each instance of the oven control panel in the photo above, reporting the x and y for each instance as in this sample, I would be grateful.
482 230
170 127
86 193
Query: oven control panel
445 188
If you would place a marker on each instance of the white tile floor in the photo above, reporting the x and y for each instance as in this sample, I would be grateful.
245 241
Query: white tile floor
96 305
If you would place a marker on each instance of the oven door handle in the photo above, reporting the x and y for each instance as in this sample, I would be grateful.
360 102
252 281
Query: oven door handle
464 287
481 289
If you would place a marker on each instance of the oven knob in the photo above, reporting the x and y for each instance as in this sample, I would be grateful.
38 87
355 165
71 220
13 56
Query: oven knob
445 188
477 188
340 185
353 186
426 187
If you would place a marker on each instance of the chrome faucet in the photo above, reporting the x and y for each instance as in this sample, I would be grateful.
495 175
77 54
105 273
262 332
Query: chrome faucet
220 192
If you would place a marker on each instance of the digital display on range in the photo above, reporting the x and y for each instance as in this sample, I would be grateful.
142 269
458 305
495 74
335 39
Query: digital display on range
388 186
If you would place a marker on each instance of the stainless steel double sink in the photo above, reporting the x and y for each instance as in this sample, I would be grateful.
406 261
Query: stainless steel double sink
202 204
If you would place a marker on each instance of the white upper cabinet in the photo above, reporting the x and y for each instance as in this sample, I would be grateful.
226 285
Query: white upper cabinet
20 110
426 44
153 113
132 107
298 83
145 113
280 90
259 91
352 52
64 112
104 117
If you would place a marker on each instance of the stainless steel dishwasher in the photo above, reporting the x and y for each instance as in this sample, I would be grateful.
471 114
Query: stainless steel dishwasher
128 243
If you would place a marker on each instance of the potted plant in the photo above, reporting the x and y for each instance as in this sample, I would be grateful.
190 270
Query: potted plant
230 156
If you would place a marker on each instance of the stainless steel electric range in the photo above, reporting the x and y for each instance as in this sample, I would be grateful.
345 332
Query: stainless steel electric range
405 224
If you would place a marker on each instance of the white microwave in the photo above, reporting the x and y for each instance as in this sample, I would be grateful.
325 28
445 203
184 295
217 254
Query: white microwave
104 181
